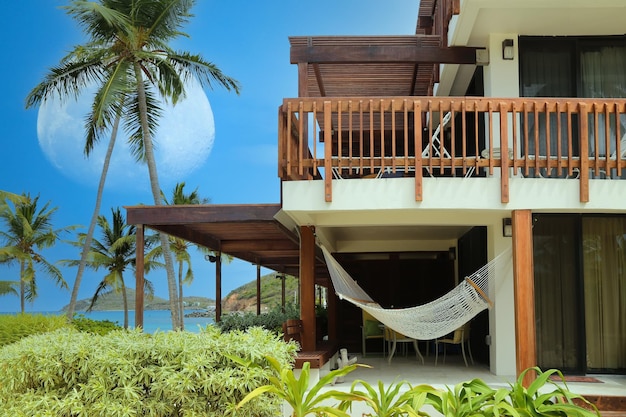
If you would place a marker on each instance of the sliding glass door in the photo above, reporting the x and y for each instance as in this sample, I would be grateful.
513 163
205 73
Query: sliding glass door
580 292
604 277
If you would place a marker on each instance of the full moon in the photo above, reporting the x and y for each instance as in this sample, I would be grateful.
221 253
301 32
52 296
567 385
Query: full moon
183 141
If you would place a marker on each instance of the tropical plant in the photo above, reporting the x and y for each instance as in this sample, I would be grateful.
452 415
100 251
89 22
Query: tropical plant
303 400
14 327
131 373
272 320
128 58
28 232
115 253
393 401
537 400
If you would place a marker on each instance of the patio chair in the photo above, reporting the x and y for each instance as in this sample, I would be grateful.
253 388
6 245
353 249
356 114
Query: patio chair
393 338
438 150
461 336
371 329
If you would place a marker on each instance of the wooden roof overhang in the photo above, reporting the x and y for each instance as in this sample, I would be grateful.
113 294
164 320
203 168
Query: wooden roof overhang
357 66
249 232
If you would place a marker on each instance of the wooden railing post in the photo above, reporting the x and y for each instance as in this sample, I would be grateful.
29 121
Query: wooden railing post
417 131
583 178
328 152
504 154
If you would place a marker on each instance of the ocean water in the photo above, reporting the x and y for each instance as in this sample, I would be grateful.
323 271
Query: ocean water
153 320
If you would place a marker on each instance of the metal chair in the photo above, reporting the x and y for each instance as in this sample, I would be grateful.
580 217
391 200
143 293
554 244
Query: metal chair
461 336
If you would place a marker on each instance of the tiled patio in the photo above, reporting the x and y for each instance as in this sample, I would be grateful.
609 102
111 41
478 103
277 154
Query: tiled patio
407 368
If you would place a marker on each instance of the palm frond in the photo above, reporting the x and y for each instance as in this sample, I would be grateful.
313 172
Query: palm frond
206 72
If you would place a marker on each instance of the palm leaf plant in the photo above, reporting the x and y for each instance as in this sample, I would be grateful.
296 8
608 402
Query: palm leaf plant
393 401
304 400
128 58
536 400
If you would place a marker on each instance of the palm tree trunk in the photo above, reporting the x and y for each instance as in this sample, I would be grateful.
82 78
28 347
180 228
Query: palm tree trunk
156 193
94 217
125 300
22 287
180 294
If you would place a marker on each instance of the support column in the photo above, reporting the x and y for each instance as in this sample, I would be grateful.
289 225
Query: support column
307 286
258 289
332 312
139 271
524 293
218 286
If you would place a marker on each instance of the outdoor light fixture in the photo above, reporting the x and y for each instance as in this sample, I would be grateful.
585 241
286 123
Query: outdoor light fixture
507 227
210 258
508 52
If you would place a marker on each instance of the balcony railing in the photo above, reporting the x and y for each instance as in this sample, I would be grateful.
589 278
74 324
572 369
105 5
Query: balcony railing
570 138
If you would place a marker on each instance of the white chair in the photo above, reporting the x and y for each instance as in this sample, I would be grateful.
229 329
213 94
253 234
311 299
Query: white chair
435 142
393 338
461 336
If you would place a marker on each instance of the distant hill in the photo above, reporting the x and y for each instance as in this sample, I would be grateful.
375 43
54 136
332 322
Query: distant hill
113 301
243 298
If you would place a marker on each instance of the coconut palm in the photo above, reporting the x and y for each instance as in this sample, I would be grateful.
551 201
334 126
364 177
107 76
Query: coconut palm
180 247
129 59
115 252
28 232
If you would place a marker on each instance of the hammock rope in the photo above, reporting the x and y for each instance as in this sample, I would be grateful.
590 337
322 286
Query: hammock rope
427 321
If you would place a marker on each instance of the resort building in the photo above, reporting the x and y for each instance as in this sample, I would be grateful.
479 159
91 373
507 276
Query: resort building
499 127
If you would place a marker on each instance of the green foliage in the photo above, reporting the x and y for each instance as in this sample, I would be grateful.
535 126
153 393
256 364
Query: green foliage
294 391
273 320
392 401
19 326
472 398
537 400
125 373
101 327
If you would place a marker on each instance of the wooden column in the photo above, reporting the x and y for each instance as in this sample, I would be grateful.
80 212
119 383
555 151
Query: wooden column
307 286
139 271
332 312
218 286
258 289
524 293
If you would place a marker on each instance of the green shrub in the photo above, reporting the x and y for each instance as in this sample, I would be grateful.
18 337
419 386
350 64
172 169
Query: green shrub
14 327
71 373
101 327
273 320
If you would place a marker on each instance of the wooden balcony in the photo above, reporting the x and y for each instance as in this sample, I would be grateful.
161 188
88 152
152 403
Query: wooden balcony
464 137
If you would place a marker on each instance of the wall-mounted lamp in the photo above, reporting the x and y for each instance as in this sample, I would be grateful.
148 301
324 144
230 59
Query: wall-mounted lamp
210 258
507 227
508 53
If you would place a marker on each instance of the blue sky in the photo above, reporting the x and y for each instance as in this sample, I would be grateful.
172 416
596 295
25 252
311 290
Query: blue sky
247 40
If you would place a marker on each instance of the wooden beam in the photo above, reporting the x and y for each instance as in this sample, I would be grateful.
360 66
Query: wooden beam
139 271
524 294
307 286
379 54
214 213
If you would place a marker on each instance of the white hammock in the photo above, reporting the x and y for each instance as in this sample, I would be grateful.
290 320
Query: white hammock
428 321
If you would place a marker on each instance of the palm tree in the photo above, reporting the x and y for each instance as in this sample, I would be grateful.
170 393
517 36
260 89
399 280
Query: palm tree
28 231
180 246
128 57
115 253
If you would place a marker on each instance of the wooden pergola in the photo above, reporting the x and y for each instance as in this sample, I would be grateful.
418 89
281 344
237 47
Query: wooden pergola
248 232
